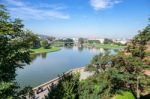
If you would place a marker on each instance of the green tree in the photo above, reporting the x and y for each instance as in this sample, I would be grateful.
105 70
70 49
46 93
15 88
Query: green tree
107 41
51 38
137 45
81 41
68 42
67 88
27 91
45 44
14 50
32 39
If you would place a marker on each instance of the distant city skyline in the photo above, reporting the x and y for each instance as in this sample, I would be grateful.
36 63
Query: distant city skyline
82 18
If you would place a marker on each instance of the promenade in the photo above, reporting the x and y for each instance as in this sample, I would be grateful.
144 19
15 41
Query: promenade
42 90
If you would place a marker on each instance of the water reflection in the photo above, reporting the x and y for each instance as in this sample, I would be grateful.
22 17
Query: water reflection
68 46
116 50
106 49
44 55
34 56
47 66
78 48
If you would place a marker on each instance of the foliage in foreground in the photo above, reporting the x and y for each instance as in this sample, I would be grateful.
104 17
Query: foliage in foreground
67 88
14 51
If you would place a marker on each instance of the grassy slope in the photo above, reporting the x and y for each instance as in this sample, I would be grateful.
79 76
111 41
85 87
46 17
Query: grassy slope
105 45
43 50
124 95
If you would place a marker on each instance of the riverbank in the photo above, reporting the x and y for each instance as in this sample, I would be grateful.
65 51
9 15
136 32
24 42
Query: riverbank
43 50
108 46
45 86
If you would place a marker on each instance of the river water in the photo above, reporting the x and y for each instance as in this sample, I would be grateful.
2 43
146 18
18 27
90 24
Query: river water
45 67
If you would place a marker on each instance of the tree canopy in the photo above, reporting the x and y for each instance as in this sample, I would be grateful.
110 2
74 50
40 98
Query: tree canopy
14 51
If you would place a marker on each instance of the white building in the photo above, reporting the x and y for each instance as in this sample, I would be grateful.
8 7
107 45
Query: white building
102 40
122 41
75 40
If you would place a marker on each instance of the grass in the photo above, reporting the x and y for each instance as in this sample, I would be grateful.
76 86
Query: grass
58 44
124 95
43 50
109 46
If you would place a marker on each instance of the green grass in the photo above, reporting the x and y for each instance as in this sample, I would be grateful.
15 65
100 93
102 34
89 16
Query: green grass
109 46
58 44
43 50
124 95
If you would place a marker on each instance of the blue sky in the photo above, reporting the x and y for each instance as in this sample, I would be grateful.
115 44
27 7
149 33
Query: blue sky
82 18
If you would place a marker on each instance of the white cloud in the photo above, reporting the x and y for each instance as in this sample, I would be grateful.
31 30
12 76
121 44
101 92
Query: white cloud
103 4
15 3
27 11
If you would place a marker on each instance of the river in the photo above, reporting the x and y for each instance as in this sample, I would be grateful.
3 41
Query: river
45 67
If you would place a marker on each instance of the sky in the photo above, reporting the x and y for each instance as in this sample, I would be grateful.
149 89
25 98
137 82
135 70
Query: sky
82 18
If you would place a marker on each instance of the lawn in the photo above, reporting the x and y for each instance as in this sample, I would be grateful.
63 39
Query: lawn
58 44
109 46
43 50
124 95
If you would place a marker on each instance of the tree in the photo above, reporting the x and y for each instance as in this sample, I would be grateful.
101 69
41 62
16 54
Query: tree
14 50
50 38
67 88
101 61
81 41
120 75
68 41
107 41
137 45
93 41
26 92
32 39
45 44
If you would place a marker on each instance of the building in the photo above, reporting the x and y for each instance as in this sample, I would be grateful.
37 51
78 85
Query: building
75 40
122 41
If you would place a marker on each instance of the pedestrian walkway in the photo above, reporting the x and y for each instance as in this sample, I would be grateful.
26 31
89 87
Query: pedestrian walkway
42 90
